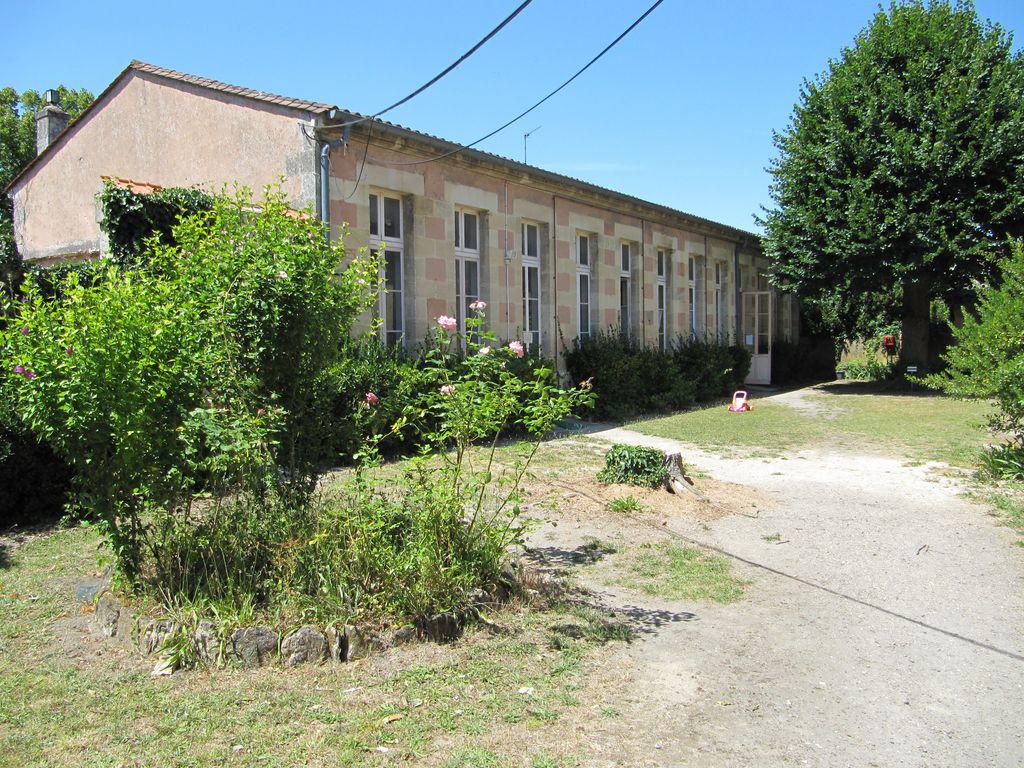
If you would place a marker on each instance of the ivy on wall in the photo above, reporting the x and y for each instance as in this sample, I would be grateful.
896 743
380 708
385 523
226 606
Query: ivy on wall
130 217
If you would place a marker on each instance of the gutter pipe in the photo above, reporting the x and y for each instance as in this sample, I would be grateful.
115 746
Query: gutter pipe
325 178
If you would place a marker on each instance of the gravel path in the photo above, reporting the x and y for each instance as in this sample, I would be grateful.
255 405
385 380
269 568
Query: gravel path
885 627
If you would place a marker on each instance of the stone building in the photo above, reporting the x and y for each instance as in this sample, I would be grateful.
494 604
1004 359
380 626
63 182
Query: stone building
554 257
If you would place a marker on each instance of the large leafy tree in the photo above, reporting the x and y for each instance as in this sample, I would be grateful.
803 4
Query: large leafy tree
18 147
901 174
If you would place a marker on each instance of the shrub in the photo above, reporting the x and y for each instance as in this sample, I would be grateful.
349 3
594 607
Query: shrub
1004 462
422 543
988 359
396 378
631 379
205 370
634 465
868 369
715 369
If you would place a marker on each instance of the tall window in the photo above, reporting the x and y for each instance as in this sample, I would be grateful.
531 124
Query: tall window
662 289
531 286
467 264
386 234
691 279
720 301
583 280
625 263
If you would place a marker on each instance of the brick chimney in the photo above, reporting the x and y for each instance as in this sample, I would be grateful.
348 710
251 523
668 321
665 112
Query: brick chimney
50 121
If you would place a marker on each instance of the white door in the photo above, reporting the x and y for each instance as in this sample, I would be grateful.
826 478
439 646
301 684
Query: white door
757 335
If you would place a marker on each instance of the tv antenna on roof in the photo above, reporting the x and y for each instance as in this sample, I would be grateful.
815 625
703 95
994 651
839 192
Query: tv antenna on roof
526 136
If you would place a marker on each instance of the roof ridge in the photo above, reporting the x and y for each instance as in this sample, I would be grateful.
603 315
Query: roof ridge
236 90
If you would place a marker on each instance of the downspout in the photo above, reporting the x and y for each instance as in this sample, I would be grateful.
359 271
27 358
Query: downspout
325 179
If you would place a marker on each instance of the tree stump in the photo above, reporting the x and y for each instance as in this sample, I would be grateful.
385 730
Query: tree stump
676 479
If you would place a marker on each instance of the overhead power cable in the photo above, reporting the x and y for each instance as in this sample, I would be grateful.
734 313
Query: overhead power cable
521 115
437 77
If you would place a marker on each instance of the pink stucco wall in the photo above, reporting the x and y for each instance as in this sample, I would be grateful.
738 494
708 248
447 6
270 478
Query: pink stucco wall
161 132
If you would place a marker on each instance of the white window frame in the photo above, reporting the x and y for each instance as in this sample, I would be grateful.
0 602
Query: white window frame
719 301
584 285
625 288
531 264
467 258
393 246
661 289
691 280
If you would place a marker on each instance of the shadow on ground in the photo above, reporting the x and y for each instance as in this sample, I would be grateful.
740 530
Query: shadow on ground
5 556
557 560
647 621
639 620
889 388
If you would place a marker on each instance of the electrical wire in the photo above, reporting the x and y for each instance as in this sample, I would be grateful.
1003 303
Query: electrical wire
587 66
437 77
362 164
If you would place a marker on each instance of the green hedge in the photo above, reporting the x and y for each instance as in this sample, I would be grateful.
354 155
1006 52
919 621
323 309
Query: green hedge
396 378
630 379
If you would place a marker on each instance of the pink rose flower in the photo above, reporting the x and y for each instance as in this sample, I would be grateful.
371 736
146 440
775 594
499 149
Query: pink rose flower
371 398
517 348
476 306
448 389
447 323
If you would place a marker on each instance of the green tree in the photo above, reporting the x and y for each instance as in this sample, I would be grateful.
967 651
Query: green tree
18 147
988 358
901 174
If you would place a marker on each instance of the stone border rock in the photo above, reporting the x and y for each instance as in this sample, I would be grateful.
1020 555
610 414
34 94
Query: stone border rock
261 645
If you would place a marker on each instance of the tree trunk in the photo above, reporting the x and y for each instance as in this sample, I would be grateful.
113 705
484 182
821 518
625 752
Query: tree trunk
914 342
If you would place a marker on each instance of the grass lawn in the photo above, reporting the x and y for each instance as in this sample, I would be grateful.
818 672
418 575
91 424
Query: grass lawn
675 573
918 426
489 700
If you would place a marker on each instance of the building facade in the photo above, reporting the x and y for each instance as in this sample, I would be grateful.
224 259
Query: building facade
553 257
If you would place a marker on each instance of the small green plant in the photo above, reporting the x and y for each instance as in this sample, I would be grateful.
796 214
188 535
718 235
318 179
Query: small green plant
773 538
867 369
1004 462
634 465
625 505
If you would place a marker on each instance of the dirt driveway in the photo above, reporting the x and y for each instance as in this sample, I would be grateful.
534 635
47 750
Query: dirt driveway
883 625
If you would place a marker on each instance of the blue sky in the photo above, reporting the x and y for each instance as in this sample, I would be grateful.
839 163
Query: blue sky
681 112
